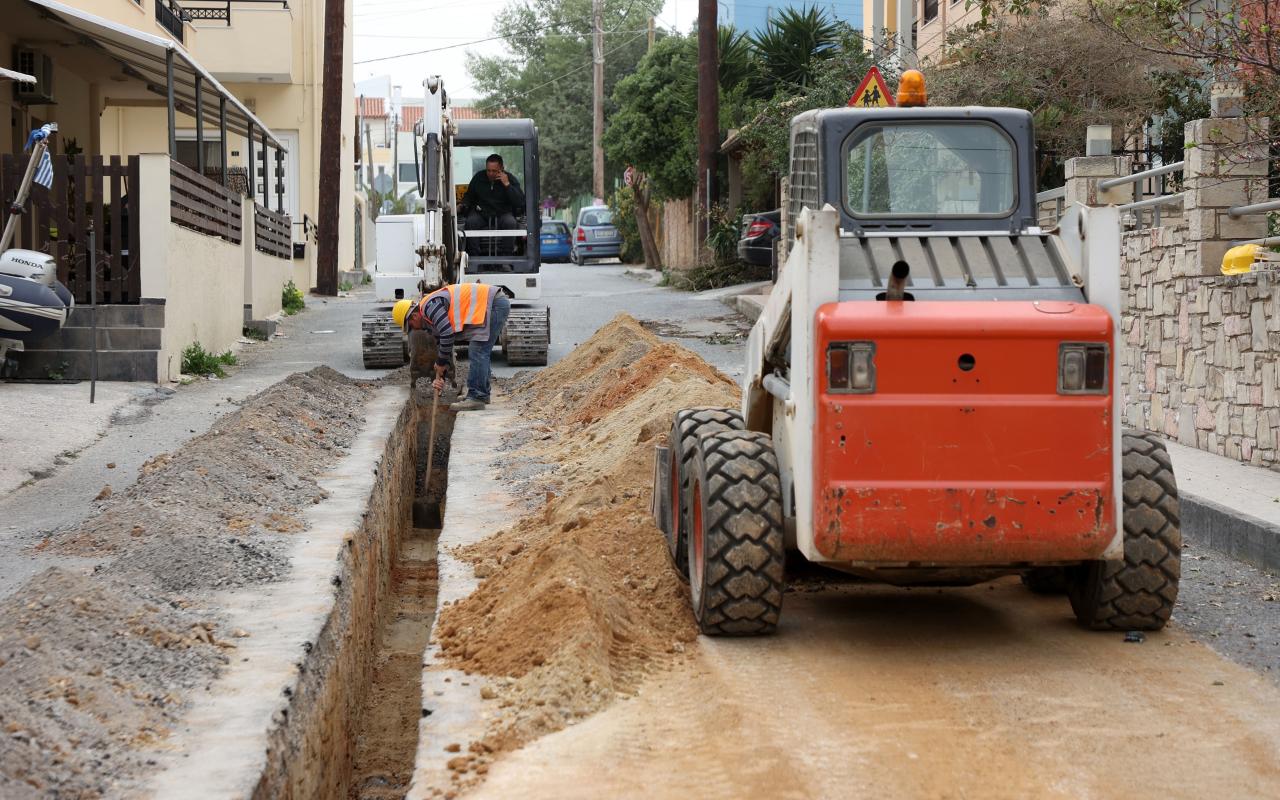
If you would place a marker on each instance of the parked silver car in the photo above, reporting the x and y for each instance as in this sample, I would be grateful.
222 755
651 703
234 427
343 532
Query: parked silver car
594 235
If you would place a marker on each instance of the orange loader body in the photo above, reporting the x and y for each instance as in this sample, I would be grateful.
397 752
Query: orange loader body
947 465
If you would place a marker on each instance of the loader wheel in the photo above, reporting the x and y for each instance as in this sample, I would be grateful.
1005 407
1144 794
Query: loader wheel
1139 592
688 425
736 557
1046 580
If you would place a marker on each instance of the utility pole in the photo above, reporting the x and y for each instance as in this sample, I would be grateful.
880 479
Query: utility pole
708 110
330 150
597 122
368 158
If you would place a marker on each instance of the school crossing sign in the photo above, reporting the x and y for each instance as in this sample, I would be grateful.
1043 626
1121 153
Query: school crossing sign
872 92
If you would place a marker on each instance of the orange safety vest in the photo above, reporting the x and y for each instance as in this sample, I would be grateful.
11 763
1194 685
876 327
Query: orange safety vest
468 304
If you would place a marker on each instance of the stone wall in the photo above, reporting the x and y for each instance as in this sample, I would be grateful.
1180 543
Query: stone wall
1199 351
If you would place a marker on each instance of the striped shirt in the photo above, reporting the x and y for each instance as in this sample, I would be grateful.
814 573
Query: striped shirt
436 312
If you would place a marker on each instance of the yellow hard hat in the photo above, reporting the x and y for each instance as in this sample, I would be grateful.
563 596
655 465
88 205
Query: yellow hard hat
400 311
1239 259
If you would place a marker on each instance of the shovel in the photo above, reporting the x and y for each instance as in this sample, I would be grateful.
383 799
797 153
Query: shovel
431 440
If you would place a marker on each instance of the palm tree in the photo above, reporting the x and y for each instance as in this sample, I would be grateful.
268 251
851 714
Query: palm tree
792 48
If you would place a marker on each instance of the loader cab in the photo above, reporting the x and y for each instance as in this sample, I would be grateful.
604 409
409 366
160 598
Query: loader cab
915 170
491 251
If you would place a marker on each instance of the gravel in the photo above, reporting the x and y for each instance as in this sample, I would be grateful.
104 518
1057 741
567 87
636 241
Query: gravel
96 666
1232 607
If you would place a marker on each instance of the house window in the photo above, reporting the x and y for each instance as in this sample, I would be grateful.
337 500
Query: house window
408 173
931 10
187 150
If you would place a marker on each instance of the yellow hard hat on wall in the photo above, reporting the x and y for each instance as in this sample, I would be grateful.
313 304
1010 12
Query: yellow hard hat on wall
400 311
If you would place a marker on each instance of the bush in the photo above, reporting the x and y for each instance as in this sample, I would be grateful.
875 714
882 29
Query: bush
198 361
345 286
291 299
723 234
256 334
623 204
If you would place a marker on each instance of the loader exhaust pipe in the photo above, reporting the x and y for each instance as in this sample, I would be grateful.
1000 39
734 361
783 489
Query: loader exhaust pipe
898 281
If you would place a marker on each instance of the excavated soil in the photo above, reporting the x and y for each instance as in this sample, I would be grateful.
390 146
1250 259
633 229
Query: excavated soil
578 602
95 669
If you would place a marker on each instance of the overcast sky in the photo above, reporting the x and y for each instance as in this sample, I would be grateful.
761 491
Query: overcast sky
383 28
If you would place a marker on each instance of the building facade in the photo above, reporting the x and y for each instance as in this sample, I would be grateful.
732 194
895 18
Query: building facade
188 143
752 16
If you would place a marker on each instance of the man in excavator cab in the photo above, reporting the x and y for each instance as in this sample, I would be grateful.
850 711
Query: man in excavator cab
470 312
492 202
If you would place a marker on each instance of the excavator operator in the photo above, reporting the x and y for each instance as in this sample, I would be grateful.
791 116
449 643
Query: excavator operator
471 312
494 198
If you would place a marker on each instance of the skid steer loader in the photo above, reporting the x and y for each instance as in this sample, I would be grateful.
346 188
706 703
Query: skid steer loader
436 248
930 394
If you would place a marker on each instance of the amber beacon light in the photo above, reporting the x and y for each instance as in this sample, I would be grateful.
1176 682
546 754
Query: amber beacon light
911 89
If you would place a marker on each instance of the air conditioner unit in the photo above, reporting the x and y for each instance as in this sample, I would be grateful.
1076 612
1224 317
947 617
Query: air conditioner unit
39 65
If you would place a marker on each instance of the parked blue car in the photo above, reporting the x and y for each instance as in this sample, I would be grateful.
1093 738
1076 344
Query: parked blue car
556 241
595 236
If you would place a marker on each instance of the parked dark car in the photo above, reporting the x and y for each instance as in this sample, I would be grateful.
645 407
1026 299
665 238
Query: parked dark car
556 240
595 235
759 232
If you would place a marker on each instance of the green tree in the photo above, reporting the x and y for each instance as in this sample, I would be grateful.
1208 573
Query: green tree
793 48
546 75
654 127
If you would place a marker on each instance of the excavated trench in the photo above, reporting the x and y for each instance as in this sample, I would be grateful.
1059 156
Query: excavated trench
386 732
350 730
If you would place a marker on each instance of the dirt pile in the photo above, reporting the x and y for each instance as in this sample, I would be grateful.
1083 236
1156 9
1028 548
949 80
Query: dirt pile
224 492
579 601
95 669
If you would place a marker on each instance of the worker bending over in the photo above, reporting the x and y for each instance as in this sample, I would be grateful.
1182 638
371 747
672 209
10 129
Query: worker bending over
469 312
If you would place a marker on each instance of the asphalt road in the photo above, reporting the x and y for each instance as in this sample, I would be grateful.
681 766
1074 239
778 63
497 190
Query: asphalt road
154 421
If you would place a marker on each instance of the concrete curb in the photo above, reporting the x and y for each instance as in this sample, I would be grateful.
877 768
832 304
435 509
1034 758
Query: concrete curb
1243 537
224 744
750 306
477 505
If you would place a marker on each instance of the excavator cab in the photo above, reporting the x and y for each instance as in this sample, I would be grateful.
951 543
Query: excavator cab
505 257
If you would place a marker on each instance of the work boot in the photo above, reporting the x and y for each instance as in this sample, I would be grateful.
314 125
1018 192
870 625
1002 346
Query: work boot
470 404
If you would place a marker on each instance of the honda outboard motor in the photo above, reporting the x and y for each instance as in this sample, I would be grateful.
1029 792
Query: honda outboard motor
33 303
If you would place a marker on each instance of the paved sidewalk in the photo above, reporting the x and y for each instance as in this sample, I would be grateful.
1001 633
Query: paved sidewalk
48 424
1229 506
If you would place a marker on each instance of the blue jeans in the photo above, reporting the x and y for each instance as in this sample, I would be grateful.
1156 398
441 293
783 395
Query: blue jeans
480 352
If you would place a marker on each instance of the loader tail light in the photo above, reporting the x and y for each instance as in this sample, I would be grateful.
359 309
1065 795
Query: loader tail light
851 367
1083 368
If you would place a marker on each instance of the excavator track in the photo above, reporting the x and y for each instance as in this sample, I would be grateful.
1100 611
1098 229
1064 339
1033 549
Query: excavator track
381 341
527 337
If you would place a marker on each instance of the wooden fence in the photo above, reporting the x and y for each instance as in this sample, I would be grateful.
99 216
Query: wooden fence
203 205
88 193
272 232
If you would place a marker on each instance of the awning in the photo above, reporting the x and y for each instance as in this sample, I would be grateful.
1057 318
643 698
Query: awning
144 56
10 75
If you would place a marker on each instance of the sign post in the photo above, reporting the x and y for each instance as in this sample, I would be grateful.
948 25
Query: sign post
872 92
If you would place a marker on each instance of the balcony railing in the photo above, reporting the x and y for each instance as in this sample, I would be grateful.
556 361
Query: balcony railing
170 15
222 10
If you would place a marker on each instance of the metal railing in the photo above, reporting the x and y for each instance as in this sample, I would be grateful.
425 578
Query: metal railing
1059 199
170 15
221 9
1141 203
1255 208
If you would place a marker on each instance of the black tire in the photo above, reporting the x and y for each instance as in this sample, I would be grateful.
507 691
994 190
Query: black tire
575 258
736 557
688 425
1139 592
1046 580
